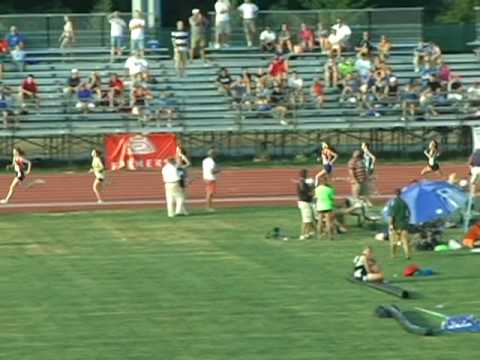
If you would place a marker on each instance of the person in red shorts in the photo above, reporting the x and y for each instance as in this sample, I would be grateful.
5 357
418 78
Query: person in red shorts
278 69
307 37
29 91
210 171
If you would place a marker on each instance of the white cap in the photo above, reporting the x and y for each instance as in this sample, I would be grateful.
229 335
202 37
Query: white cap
74 71
195 11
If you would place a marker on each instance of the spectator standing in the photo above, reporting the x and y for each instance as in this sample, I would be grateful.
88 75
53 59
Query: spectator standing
198 28
249 12
137 33
267 39
117 28
29 91
222 23
210 171
325 205
398 226
18 58
474 166
67 38
343 32
358 175
180 48
14 38
305 205
173 192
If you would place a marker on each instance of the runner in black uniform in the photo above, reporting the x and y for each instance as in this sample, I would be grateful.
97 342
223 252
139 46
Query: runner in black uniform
22 167
432 154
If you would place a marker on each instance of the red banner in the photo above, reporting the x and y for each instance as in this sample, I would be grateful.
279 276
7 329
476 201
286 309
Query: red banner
135 152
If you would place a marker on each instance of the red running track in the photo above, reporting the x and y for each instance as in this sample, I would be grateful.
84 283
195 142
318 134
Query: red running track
72 191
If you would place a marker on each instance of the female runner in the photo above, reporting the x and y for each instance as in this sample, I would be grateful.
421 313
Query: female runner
432 154
99 171
22 167
328 158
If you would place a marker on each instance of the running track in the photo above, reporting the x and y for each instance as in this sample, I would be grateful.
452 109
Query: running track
236 187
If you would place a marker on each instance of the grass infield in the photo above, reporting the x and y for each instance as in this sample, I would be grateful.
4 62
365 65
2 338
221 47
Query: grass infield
136 285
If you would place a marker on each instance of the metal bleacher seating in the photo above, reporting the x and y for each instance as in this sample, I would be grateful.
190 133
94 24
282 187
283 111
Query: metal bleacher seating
200 107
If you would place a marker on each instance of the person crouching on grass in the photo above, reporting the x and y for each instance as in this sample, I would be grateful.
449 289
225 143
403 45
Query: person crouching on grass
305 204
366 268
398 226
325 204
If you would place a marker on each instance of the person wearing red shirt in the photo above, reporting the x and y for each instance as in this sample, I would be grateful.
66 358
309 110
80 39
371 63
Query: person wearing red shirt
278 69
29 91
318 92
307 37
116 90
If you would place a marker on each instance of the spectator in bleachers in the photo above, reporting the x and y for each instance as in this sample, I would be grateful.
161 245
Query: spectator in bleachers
285 39
94 83
5 103
117 29
239 94
455 90
321 36
261 79
295 87
222 23
29 92
279 101
3 56
180 48
346 67
67 37
18 58
421 56
85 100
198 28
334 44
278 69
343 32
14 38
307 38
330 70
473 94
350 88
249 11
167 108
139 101
73 83
444 73
365 45
427 103
224 82
137 33
384 47
268 39
363 65
247 79
392 88
135 64
409 99
116 91
318 93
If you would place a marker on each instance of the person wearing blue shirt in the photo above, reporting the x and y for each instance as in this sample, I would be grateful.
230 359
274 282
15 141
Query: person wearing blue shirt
85 98
14 38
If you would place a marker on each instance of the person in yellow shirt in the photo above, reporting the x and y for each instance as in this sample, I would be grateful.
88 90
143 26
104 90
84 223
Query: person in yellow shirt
325 204
99 171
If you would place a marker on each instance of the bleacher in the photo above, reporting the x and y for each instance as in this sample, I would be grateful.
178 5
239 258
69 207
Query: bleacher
200 107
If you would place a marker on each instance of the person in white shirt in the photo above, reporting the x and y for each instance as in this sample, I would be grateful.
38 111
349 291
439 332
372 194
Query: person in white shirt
210 171
295 85
135 65
117 27
334 43
268 39
249 13
137 32
174 195
222 23
67 38
343 32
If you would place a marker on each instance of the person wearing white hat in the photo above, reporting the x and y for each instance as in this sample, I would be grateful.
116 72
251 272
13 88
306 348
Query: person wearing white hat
198 28
73 83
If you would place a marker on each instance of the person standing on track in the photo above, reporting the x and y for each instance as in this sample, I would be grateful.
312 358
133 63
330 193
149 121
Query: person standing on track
182 163
22 167
99 171
370 161
173 192
399 214
305 204
432 154
328 157
358 176
474 165
210 171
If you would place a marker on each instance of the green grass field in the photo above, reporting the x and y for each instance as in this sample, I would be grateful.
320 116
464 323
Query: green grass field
136 285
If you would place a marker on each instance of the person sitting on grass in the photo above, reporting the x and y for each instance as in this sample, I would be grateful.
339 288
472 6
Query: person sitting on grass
325 204
366 268
29 91
85 99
